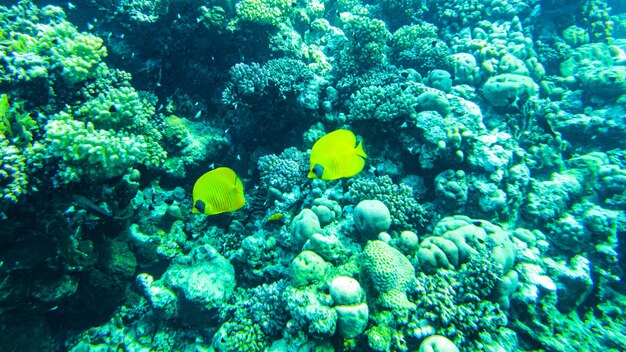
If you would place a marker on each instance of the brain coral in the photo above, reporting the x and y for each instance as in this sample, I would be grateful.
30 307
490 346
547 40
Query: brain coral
390 273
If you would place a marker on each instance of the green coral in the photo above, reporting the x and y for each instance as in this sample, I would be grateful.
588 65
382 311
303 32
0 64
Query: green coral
307 267
13 178
75 54
15 124
85 153
264 12
19 154
122 109
234 336
42 45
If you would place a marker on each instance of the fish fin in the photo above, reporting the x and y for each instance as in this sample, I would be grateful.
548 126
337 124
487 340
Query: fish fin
359 150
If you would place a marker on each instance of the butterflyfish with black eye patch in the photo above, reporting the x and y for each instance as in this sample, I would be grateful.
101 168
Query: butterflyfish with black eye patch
337 155
218 191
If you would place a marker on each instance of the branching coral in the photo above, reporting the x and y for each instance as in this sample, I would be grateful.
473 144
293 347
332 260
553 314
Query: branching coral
417 46
272 12
399 199
85 153
367 43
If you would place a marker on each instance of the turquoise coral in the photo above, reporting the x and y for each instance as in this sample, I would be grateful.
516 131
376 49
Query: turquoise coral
367 45
391 274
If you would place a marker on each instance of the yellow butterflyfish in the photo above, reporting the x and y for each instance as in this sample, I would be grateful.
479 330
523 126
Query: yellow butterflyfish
337 155
218 191
275 216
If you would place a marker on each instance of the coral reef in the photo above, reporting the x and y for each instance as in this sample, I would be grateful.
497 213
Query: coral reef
488 215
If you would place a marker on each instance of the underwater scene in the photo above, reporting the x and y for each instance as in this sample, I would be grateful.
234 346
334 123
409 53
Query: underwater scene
312 175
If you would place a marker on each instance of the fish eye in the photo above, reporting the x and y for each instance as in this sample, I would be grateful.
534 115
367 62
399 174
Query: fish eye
200 206
318 170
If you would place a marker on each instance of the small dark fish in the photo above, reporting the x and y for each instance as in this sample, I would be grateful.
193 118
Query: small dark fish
93 208
433 43
113 108
477 223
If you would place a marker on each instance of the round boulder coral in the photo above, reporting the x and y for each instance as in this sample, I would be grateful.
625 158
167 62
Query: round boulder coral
508 89
345 290
307 267
371 217
303 226
438 343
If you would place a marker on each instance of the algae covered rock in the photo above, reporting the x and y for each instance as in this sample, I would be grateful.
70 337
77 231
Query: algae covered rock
605 82
307 267
508 89
204 279
351 320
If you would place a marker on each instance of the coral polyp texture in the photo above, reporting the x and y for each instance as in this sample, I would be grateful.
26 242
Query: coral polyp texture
282 175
